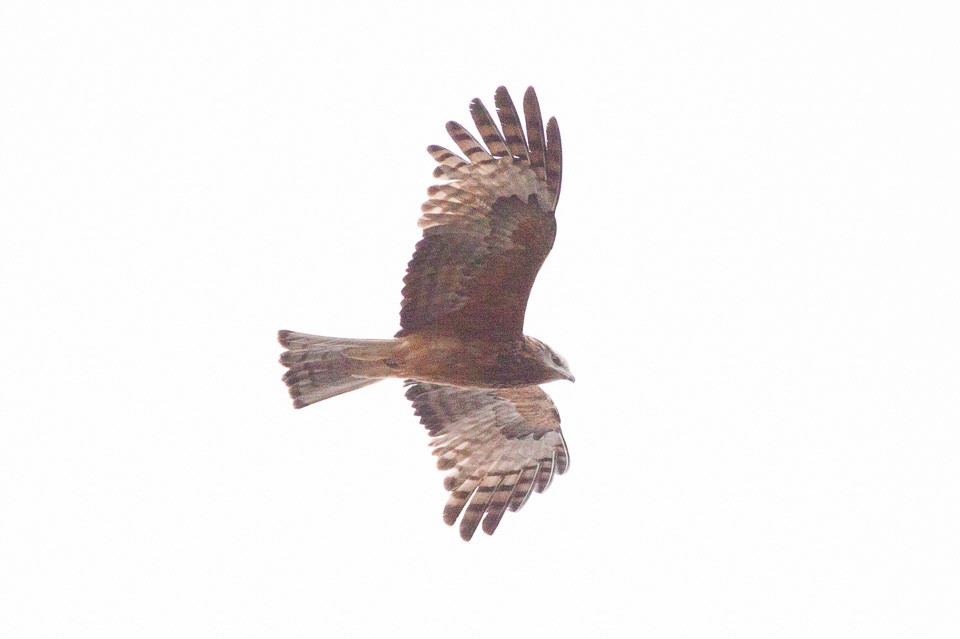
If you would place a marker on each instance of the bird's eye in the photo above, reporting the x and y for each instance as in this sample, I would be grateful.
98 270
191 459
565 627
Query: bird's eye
556 360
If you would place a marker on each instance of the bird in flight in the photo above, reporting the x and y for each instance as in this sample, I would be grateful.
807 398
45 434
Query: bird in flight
472 375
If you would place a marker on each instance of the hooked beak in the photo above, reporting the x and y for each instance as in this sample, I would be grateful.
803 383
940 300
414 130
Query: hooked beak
570 376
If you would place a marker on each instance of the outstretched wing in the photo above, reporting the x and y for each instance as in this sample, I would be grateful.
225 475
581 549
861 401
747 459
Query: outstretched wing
500 444
487 231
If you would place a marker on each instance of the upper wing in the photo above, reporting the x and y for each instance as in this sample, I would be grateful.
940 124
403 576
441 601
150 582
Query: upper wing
488 230
501 444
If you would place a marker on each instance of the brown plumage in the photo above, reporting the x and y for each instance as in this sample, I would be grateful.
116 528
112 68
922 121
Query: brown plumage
473 374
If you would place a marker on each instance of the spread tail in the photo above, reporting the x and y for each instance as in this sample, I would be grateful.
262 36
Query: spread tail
323 367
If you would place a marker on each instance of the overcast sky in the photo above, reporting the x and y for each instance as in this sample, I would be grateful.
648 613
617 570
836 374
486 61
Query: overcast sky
755 281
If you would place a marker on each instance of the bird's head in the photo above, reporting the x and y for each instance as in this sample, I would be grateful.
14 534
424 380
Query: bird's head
553 361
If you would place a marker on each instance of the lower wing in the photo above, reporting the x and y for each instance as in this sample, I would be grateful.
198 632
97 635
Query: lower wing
501 445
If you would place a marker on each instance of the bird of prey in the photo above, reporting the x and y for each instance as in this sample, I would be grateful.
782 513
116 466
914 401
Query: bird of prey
472 375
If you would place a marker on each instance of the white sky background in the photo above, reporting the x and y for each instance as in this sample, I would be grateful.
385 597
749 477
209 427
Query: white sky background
754 280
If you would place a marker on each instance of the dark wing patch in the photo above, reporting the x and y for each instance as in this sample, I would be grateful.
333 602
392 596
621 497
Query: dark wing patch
489 229
501 445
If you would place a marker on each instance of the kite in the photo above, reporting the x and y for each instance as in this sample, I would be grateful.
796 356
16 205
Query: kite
472 375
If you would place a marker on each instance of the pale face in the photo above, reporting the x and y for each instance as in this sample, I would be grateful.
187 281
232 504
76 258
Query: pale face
555 362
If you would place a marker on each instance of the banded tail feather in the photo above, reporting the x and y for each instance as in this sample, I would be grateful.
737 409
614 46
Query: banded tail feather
323 367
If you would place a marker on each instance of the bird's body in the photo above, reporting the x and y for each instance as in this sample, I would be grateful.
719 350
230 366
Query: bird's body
427 356
473 374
